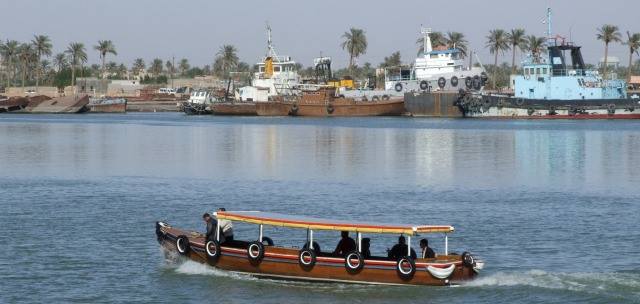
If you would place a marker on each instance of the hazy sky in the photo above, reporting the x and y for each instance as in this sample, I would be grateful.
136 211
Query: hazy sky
302 29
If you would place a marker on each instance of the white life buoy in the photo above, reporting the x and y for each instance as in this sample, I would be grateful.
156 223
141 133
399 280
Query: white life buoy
441 273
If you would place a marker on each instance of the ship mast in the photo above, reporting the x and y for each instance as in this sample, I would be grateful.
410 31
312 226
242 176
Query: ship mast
549 34
426 40
271 51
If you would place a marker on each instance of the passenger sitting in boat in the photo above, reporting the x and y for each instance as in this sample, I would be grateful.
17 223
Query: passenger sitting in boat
345 245
366 245
226 229
399 250
427 252
210 235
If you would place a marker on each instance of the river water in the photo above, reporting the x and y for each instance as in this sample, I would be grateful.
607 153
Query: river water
552 207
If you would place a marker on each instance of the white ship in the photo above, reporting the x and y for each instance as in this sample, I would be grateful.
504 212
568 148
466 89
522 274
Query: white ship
435 70
276 75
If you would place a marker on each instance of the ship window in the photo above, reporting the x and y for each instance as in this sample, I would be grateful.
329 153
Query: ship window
544 71
434 56
526 71
276 68
261 69
537 71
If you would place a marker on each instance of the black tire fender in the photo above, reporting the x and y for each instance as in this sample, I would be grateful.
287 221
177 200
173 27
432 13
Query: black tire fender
467 259
182 245
307 258
404 273
255 252
442 82
398 87
349 263
267 241
213 251
454 81
424 85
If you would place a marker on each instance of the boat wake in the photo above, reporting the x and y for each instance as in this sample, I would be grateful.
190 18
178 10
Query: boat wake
623 282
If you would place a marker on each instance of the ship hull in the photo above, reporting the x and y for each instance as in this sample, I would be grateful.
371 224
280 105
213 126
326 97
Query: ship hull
349 107
241 109
432 104
273 108
506 107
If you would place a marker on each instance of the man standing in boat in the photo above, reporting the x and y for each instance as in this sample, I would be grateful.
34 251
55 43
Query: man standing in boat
226 229
211 226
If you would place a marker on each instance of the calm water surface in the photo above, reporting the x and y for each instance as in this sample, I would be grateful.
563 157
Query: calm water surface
552 207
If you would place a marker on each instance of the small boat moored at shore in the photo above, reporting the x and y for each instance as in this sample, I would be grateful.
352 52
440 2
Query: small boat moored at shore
107 105
262 258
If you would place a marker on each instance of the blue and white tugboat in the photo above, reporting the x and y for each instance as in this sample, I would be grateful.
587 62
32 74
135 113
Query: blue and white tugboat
555 88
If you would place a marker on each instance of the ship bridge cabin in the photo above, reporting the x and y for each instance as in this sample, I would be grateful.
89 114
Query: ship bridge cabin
278 74
556 79
438 62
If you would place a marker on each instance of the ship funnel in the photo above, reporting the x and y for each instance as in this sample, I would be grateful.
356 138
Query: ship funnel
268 67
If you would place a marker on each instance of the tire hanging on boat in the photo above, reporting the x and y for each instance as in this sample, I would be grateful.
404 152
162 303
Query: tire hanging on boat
477 83
468 82
182 244
611 109
330 109
442 82
375 98
349 264
530 111
213 251
403 272
424 85
255 252
307 258
385 97
454 81
398 87
267 241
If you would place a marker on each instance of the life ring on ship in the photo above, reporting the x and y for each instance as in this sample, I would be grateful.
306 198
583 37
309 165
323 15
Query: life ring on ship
255 252
424 85
350 265
213 251
330 109
385 97
406 268
307 258
454 81
182 245
467 259
375 98
442 82
398 87
267 241
468 82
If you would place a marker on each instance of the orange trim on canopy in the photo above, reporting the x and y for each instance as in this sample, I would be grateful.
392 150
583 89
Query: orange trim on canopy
291 221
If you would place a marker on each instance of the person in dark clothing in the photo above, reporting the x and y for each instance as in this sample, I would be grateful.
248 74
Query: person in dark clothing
399 250
345 245
366 248
427 252
212 224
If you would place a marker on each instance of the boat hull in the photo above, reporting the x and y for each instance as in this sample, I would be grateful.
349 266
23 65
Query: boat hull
506 107
349 107
66 104
284 263
236 108
273 108
432 104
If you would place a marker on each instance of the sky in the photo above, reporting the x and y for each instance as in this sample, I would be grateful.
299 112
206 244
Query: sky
195 29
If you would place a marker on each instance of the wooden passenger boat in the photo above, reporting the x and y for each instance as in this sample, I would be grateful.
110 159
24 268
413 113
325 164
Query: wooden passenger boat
309 263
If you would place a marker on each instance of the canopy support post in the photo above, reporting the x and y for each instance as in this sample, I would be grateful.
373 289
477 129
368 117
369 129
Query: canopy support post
218 231
446 244
310 239
408 245
260 236
359 242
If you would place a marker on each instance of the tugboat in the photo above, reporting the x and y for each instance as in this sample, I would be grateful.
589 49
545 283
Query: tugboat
553 89
199 103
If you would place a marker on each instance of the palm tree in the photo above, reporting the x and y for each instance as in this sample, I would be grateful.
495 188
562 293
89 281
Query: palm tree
42 46
517 40
184 66
497 42
437 40
45 67
633 42
138 66
355 42
60 62
535 45
608 33
227 58
77 54
457 40
26 54
392 61
9 52
156 67
105 47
